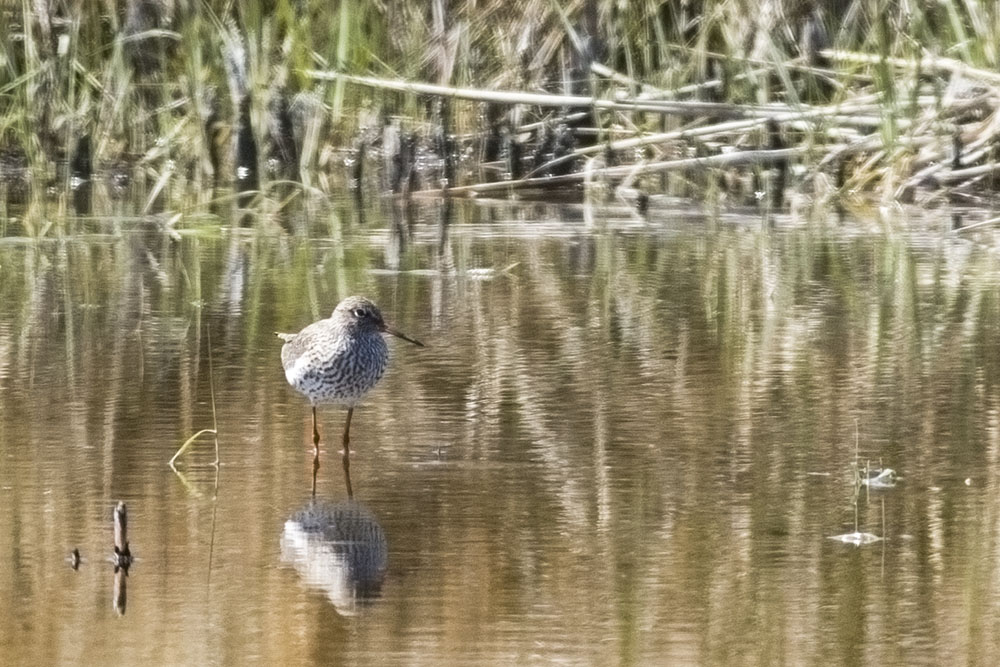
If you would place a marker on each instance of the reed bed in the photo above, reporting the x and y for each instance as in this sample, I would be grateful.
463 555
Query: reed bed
185 103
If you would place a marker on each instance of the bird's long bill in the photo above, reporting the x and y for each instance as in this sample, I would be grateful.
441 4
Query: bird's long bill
403 336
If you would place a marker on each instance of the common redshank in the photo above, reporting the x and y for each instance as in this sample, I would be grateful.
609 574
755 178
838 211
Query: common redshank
339 360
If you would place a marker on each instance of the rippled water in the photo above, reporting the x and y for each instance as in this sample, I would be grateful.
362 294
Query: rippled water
626 443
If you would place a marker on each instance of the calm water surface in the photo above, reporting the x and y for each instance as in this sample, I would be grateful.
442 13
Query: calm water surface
626 443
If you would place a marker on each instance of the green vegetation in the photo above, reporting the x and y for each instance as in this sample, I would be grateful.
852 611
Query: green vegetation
862 97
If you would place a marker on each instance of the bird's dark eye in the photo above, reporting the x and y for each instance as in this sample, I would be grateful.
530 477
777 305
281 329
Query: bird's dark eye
360 313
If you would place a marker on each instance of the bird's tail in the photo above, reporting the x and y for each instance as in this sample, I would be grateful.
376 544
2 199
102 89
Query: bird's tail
288 338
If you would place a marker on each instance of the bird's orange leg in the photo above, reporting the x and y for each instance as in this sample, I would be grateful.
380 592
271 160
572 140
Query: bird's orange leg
347 452
315 435
315 470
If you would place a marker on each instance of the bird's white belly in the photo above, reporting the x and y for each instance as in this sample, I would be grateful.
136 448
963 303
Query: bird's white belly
335 379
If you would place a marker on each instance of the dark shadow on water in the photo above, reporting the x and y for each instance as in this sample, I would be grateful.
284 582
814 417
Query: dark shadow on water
339 549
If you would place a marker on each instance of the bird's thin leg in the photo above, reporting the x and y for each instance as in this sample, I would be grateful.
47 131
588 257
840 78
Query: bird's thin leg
315 436
315 470
347 431
347 452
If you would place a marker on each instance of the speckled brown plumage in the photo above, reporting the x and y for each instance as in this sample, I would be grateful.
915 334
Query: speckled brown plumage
339 359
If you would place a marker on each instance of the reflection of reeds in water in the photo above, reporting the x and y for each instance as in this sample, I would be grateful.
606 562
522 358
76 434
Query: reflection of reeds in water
652 364
214 431
339 549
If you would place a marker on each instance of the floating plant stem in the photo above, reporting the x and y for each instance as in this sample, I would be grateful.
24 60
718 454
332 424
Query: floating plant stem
214 431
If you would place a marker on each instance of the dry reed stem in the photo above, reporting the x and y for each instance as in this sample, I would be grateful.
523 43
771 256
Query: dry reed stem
732 159
675 107
924 64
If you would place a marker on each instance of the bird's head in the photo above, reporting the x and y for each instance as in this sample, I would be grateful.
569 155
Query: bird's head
361 314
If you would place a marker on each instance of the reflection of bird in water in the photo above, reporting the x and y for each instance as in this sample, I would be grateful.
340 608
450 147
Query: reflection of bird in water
338 548
339 359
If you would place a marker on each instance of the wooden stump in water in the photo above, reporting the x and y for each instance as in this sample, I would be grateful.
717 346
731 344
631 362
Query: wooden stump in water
122 556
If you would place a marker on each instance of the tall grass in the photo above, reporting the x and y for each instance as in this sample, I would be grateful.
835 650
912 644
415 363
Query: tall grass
149 85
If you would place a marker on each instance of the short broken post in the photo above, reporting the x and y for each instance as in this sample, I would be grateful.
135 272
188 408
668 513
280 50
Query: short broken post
122 556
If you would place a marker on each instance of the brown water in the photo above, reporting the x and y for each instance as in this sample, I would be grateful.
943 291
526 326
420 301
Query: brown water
631 448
